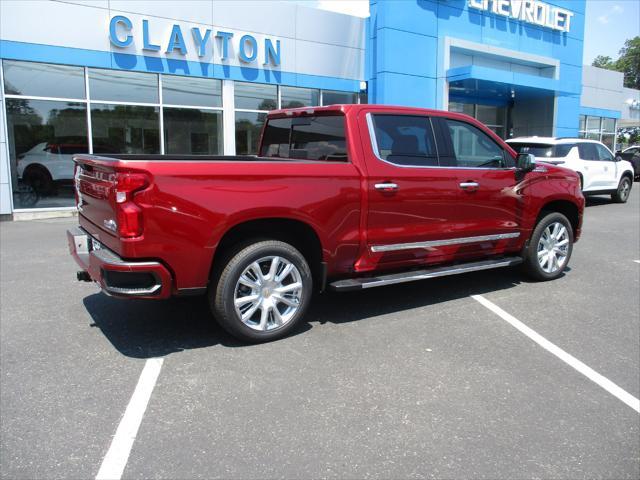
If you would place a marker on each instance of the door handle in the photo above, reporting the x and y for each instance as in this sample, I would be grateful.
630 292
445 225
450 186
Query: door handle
465 185
387 187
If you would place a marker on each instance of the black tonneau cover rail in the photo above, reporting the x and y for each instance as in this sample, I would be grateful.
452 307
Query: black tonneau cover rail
195 158
174 157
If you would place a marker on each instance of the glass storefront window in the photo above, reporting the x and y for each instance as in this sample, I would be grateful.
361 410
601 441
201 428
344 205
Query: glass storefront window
43 80
599 128
593 125
608 125
43 137
466 108
121 86
294 97
332 98
609 140
192 131
255 96
248 128
197 92
125 129
492 116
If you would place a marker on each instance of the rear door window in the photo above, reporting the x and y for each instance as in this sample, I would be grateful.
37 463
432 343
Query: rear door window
275 142
542 150
311 138
588 151
405 140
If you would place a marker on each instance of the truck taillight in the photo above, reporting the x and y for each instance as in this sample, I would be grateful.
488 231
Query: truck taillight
128 214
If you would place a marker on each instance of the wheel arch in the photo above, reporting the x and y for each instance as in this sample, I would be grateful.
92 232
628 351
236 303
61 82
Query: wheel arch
297 233
565 207
38 167
628 174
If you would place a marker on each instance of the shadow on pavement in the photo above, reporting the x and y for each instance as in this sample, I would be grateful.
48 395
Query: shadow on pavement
598 201
149 328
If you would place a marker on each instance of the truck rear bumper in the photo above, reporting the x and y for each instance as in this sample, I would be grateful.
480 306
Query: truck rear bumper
117 277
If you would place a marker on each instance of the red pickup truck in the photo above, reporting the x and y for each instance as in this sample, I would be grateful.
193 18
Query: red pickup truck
343 197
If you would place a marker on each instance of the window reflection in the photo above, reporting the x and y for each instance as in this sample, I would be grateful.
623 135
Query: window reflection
43 79
248 128
255 96
43 137
121 86
192 131
294 97
198 92
125 129
333 98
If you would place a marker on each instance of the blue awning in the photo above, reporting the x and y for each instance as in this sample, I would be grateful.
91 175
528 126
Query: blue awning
508 78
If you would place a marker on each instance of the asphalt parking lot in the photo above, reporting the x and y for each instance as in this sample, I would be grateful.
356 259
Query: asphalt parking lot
409 381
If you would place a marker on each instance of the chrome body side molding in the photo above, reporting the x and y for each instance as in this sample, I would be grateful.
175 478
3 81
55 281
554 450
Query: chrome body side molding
440 243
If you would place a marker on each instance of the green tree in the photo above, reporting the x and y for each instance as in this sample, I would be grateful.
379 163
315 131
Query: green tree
603 61
628 62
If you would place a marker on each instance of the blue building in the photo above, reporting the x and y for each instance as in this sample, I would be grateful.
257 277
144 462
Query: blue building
199 76
513 69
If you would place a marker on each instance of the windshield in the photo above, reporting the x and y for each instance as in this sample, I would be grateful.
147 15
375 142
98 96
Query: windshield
542 150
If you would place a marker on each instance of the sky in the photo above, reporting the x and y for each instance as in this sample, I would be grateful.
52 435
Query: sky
608 22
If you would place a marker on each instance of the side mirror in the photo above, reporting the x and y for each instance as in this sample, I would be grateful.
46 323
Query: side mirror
525 162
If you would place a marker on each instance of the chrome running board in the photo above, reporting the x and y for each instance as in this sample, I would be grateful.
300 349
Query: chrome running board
414 275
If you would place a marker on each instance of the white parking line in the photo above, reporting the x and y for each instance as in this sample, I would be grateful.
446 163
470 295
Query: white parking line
637 261
116 458
588 372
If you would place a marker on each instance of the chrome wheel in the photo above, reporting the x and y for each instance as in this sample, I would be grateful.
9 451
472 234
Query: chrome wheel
553 247
268 293
625 189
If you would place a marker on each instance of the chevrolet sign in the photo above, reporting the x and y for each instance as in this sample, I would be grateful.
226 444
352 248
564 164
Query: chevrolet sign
530 11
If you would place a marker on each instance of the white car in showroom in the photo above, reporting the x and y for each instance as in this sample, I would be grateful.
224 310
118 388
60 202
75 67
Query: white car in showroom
47 165
601 173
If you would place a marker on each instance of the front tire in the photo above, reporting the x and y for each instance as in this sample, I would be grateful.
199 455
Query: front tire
549 250
263 291
621 195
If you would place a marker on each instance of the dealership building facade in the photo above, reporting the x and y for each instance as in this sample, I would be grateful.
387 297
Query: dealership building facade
197 77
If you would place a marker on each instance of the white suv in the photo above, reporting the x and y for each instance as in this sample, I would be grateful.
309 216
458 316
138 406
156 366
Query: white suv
600 172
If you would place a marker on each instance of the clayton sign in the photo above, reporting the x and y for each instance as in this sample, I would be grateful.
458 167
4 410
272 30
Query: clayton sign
121 34
530 11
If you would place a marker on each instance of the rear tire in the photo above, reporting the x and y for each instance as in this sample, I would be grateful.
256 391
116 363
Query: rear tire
262 292
550 247
39 179
621 195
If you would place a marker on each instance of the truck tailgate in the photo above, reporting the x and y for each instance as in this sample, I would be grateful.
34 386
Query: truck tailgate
105 189
94 189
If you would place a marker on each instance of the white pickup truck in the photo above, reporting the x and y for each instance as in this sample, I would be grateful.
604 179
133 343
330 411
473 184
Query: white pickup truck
601 173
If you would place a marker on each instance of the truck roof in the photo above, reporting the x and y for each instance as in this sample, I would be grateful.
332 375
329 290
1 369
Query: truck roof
349 107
